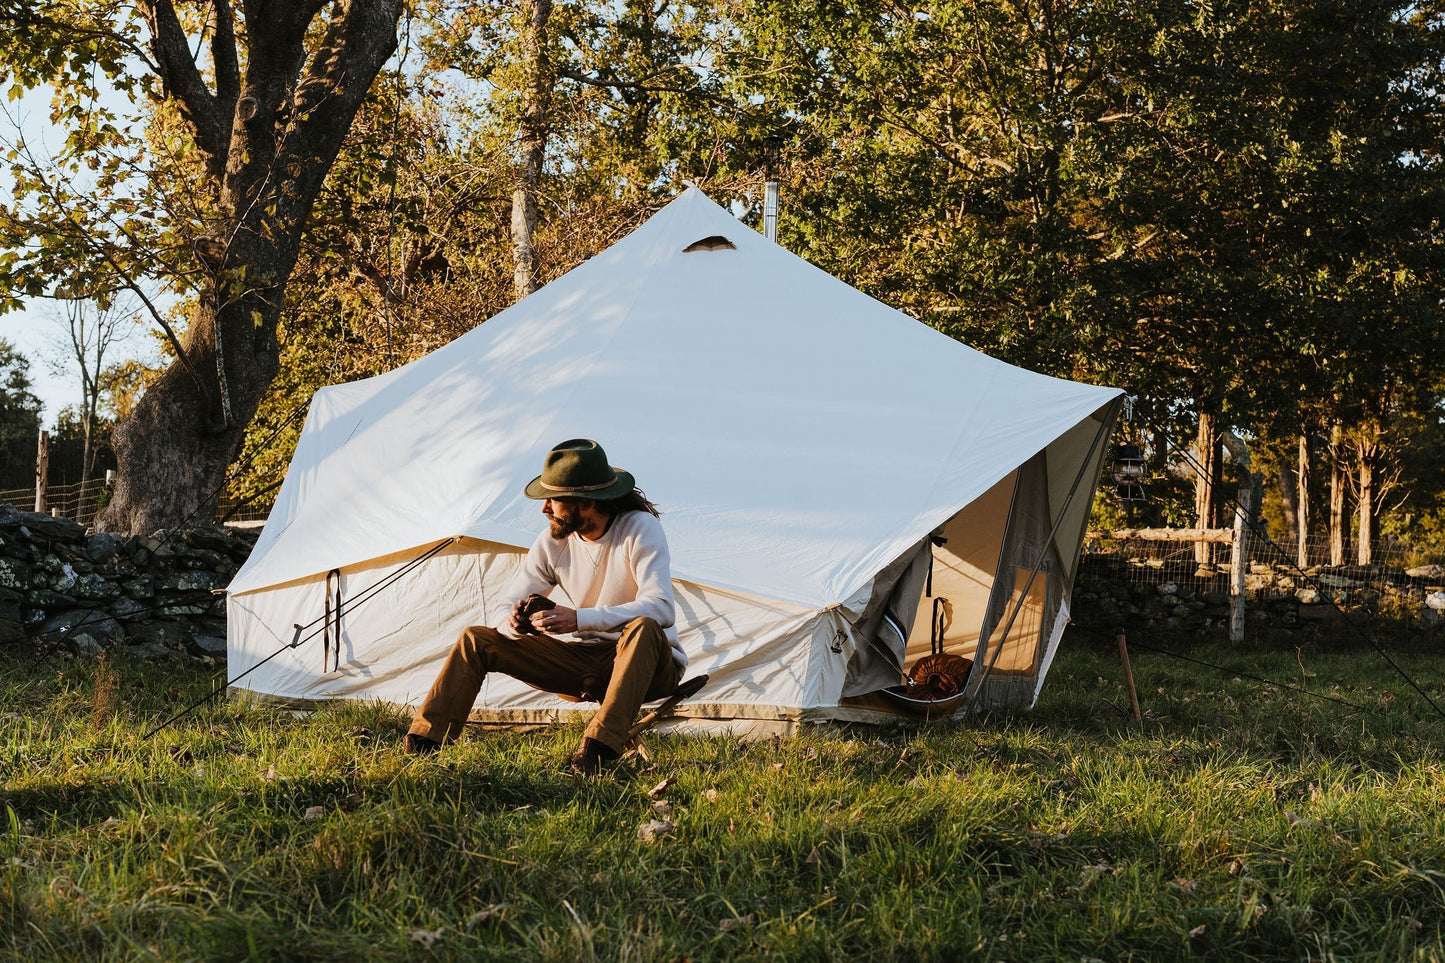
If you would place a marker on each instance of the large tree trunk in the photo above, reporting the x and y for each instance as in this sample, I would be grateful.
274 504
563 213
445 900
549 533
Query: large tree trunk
1367 453
182 430
1206 473
1338 482
1366 506
266 142
532 143
1302 500
1289 501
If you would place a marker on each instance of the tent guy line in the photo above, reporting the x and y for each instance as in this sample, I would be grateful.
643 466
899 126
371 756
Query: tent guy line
360 598
1257 678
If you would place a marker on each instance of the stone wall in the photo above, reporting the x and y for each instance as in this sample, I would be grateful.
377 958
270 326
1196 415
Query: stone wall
1323 603
157 596
154 596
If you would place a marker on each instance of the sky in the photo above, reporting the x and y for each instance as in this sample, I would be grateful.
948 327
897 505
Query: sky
38 331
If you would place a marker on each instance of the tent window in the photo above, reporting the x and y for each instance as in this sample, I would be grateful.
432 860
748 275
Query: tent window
714 243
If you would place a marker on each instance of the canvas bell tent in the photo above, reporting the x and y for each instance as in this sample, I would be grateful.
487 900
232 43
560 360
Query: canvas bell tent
840 484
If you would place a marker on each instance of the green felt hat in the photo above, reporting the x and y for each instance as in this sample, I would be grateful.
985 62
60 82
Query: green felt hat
579 469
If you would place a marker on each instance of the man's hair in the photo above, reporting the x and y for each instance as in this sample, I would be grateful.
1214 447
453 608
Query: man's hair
634 501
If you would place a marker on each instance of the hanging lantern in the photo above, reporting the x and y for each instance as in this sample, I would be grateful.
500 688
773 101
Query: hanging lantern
1129 471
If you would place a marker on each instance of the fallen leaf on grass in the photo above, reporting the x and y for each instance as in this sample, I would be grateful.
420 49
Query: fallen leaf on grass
269 774
314 812
425 937
1197 931
663 808
732 923
710 795
1185 884
491 914
1301 821
653 830
661 787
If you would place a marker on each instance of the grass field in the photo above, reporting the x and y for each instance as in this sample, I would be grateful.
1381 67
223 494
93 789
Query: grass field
1242 821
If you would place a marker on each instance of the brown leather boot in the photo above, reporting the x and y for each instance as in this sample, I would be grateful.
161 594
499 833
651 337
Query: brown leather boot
591 758
415 745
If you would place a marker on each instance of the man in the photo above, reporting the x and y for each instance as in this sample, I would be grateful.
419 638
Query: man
606 552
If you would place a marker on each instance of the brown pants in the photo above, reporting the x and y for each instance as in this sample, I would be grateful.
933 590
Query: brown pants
635 669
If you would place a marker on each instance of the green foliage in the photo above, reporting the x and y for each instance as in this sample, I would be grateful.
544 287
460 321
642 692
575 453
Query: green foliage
92 216
1225 208
1242 821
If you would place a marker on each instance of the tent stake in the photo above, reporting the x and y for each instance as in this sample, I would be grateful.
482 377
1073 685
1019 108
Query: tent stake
1128 673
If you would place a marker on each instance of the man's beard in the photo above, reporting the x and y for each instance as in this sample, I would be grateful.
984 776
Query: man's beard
564 525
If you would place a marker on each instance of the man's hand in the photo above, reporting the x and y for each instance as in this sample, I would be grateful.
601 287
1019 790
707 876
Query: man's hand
558 621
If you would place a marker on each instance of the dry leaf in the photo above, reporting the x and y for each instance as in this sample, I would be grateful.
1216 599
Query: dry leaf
710 795
314 812
1197 931
1185 884
663 808
661 787
728 925
653 830
426 937
269 775
491 914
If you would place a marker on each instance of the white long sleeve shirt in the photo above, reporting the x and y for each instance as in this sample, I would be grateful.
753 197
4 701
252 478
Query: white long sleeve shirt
621 576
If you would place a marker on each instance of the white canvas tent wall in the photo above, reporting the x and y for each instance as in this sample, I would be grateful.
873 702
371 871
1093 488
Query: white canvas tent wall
802 439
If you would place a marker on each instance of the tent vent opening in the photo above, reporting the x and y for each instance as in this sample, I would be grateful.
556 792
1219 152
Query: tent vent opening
714 243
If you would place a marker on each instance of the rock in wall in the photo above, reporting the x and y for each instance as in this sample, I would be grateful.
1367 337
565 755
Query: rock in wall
154 595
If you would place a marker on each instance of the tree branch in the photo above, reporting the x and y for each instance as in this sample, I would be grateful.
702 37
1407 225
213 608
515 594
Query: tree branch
183 81
223 55
353 50
593 80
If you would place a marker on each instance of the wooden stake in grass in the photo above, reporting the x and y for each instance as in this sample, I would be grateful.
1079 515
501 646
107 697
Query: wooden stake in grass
1128 674
106 696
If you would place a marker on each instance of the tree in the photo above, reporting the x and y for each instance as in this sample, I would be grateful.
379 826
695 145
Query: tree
1230 208
19 419
91 330
252 107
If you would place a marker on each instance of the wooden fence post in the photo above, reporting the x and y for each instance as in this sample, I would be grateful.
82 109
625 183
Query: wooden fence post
42 470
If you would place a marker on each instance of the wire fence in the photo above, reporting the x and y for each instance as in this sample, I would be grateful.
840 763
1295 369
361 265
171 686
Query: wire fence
1272 567
79 502
82 501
